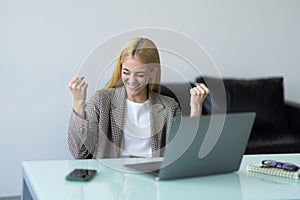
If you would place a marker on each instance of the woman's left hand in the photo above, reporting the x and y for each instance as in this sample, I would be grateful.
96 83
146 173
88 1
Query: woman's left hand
198 95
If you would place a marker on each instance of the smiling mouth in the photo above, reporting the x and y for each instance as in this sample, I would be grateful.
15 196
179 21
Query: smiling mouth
132 86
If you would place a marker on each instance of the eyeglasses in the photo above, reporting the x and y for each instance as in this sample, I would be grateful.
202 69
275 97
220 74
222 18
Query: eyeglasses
280 165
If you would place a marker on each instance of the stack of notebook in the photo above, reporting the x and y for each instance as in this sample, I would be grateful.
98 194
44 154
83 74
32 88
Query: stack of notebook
273 171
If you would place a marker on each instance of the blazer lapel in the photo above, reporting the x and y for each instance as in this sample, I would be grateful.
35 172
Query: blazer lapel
157 122
117 118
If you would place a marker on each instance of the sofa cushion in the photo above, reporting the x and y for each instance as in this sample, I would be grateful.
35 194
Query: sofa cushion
280 142
263 96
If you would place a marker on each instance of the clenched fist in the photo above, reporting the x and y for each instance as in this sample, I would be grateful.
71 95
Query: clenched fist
198 95
78 87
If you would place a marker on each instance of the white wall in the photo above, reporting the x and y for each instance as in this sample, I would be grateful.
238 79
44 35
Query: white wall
43 43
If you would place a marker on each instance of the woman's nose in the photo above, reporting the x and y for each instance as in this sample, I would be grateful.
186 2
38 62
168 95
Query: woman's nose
132 78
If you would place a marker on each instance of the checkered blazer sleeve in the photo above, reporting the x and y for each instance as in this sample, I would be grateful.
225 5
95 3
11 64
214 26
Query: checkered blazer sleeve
83 134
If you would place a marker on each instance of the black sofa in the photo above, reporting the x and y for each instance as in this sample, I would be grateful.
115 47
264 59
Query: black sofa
277 125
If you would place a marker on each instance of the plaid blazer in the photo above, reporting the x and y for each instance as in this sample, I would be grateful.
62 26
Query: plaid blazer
100 135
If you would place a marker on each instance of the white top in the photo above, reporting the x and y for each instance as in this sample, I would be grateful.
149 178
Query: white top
137 133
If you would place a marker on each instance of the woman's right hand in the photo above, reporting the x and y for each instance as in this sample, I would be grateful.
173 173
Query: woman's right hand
78 87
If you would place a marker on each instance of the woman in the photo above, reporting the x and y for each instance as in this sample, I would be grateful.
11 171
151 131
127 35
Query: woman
129 117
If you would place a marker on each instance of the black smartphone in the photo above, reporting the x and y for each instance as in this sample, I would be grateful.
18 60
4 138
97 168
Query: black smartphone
81 174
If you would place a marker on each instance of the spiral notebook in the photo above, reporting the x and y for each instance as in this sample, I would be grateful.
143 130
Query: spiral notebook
274 171
274 179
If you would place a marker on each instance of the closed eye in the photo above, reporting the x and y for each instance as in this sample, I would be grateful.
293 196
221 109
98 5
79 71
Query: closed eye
140 74
126 73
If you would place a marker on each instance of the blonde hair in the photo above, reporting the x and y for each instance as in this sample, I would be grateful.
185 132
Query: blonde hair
146 52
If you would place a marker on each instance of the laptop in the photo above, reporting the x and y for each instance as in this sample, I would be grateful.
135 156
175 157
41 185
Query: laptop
199 146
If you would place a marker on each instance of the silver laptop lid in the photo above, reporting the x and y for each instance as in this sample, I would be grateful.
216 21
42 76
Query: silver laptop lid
206 145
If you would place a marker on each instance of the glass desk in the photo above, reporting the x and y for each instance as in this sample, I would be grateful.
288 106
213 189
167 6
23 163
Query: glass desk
45 180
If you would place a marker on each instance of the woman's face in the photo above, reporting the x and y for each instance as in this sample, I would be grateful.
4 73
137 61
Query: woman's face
135 77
